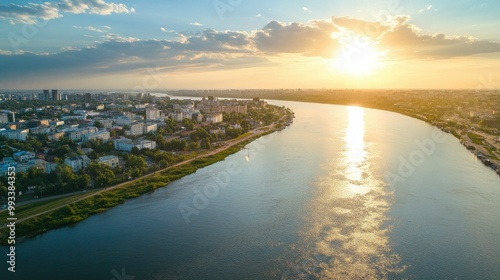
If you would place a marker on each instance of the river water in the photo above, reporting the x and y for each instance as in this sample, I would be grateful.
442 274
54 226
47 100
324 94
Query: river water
343 193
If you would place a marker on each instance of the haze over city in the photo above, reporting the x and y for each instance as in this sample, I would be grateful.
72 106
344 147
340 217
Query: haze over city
96 44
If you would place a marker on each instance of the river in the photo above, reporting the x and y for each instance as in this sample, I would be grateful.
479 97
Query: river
343 193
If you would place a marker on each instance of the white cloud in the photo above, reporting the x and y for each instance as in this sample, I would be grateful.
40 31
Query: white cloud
31 13
164 29
306 9
258 15
196 24
92 28
427 8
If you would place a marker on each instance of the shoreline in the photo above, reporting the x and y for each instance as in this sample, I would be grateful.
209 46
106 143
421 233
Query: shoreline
480 151
110 197
72 213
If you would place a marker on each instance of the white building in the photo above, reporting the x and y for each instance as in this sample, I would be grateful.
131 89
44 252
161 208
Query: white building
7 116
102 134
153 114
23 156
16 134
136 129
76 134
77 163
214 118
123 120
125 144
150 127
108 124
111 161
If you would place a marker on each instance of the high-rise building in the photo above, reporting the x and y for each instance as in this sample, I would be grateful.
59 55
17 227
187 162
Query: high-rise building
55 95
46 95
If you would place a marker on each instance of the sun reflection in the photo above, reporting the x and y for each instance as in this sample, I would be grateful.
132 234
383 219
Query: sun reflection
355 151
345 234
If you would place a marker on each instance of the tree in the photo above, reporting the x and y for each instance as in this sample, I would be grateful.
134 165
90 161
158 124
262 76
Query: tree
136 164
194 146
83 181
98 124
205 143
65 176
101 174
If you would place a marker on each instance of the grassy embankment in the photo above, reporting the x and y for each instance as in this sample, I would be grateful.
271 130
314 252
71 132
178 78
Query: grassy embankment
78 211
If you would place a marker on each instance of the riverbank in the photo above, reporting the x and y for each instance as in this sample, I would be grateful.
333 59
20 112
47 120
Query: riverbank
103 200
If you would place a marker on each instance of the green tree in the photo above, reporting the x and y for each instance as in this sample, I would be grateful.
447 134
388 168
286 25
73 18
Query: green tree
65 176
136 165
98 124
205 143
101 174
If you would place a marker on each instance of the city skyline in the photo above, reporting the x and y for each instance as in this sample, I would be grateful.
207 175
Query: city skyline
95 44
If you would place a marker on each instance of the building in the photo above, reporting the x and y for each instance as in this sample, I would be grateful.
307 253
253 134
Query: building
25 166
76 134
136 129
111 161
150 127
56 95
40 130
153 114
17 134
104 135
77 163
99 107
214 118
23 156
123 120
108 124
7 116
242 109
55 136
45 95
125 144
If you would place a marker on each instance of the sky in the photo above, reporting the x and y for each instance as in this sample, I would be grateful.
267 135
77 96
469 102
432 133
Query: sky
231 44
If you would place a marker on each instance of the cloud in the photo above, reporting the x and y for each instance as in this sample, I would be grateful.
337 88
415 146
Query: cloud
95 29
32 12
313 38
165 30
28 13
306 9
427 8
407 40
196 24
258 15
213 49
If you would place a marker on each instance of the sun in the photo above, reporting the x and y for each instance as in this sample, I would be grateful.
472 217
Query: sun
358 55
364 62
